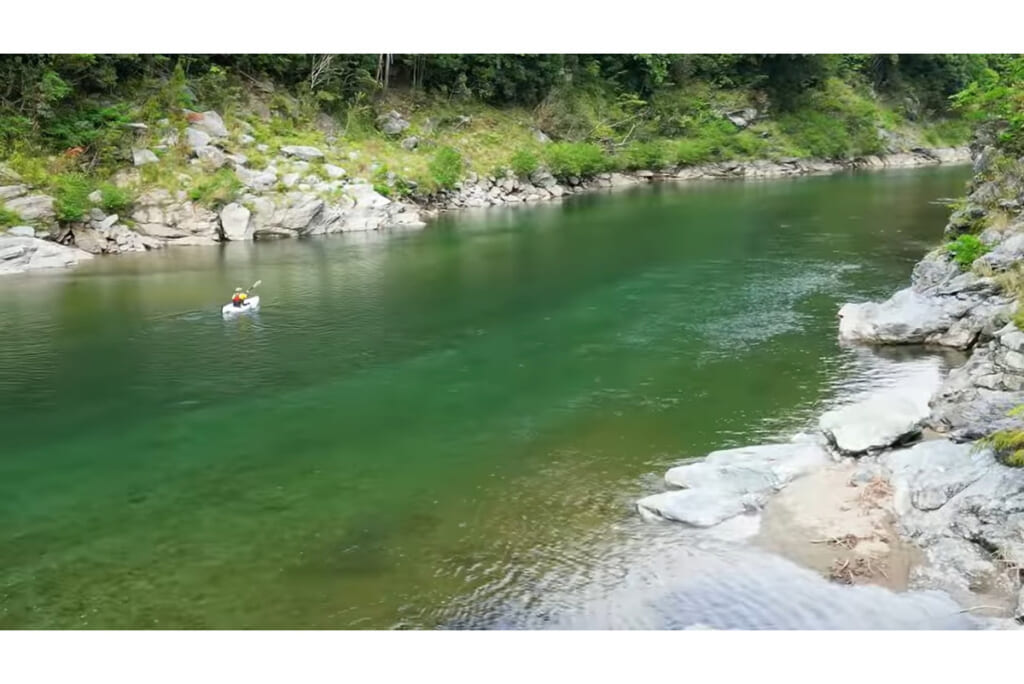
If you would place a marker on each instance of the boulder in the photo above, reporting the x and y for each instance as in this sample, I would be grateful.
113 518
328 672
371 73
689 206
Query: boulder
246 139
874 424
392 123
209 122
540 136
542 178
742 118
32 207
236 222
11 191
1005 254
303 152
19 254
256 180
211 156
143 157
196 139
334 171
942 306
410 143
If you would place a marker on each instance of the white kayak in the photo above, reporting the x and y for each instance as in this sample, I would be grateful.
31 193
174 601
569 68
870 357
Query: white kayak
250 305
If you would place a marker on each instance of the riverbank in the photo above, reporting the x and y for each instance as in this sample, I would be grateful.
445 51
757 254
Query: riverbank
902 488
325 201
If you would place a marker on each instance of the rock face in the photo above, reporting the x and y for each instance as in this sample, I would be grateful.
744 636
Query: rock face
730 482
966 510
158 215
19 254
942 306
975 398
32 207
11 191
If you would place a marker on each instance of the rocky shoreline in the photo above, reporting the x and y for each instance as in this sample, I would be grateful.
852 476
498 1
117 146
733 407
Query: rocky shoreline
906 462
296 194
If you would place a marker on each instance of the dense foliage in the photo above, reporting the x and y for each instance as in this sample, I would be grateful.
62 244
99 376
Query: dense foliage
996 99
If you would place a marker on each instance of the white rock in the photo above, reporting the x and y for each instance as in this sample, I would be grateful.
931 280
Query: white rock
874 424
246 139
303 152
22 231
19 254
236 222
257 180
32 207
143 157
334 171
196 138
95 197
211 156
209 122
11 191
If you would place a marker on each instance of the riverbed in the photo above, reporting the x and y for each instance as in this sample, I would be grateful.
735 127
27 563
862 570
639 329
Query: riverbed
440 428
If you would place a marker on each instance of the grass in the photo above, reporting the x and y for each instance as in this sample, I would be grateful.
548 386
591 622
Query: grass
1008 443
9 218
216 189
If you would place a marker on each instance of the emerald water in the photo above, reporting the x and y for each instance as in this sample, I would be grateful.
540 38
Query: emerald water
420 429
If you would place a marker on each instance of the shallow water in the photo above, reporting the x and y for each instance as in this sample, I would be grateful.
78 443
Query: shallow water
438 428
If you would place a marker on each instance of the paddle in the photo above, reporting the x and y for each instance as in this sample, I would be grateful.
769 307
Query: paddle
254 286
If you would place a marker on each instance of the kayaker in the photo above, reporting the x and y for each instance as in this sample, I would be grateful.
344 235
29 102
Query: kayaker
239 297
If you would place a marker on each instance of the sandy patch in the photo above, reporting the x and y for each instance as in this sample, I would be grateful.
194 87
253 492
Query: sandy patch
839 528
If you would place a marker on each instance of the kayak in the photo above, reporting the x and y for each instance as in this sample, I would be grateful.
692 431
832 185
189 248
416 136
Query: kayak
250 305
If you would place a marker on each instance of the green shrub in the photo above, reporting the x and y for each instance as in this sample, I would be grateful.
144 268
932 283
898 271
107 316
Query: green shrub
693 151
816 133
71 196
215 190
523 163
114 199
446 167
746 145
965 249
645 155
577 159
8 218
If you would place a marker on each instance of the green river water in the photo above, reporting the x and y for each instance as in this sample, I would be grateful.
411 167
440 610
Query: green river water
417 428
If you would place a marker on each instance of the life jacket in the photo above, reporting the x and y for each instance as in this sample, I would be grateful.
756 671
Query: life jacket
239 296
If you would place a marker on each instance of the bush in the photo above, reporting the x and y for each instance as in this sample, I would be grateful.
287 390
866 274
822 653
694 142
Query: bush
965 249
8 218
577 159
694 151
816 133
446 168
71 196
645 155
523 163
216 190
114 199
